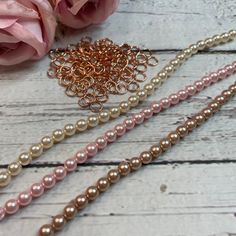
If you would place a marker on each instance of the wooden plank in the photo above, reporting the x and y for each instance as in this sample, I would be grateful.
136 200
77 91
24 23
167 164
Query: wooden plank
163 24
33 107
159 200
189 191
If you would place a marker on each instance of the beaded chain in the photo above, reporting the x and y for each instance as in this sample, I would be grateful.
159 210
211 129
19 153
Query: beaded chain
135 163
104 116
36 190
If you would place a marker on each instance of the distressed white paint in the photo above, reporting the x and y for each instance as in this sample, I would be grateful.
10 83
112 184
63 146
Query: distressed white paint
199 173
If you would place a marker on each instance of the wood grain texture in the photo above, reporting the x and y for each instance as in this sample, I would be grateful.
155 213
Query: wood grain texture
189 191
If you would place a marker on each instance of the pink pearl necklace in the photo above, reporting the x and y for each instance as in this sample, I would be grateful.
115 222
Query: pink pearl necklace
110 136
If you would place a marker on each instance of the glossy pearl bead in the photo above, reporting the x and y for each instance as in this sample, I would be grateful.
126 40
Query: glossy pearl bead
156 107
81 202
182 131
207 112
142 94
165 103
92 193
46 230
14 168
135 163
165 144
115 112
206 81
209 42
182 94
229 69
174 98
129 123
173 137
104 116
220 99
124 168
227 94
149 88
146 157
216 39
70 164
193 48
69 130
156 82
60 173
199 85
138 118
49 181
133 100
25 158
191 90
58 222
103 184
81 156
214 106
11 206
187 52
148 112
232 88
181 56
37 189
162 75
70 212
232 34
110 136
120 129
5 178
93 121
58 135
199 119
214 77
155 150
222 74
101 142
47 142
36 150
113 176
201 45
191 124
81 125
175 63
92 149
124 107
24 198
224 37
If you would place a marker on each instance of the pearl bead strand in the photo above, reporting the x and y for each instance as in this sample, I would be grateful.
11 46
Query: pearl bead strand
110 136
134 164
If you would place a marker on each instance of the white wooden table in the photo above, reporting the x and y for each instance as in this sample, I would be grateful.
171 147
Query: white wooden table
190 191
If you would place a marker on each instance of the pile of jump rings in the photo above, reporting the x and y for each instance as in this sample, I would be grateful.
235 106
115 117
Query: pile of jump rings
92 71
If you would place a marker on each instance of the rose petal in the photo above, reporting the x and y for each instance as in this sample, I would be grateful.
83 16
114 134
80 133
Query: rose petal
15 9
48 22
34 27
77 6
7 38
92 12
4 23
27 37
16 56
27 30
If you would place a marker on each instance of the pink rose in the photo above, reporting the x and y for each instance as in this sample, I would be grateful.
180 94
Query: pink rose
27 30
81 13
